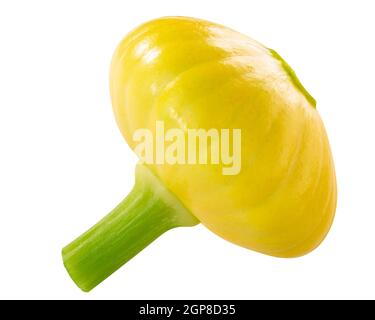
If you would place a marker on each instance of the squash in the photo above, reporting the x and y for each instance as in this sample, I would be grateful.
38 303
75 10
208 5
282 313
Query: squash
193 74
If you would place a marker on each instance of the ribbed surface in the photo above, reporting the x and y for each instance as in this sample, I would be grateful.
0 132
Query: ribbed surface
196 74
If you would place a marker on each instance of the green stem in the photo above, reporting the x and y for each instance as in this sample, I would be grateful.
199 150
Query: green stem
146 213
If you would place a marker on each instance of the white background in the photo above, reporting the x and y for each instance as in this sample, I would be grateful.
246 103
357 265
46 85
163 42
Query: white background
64 164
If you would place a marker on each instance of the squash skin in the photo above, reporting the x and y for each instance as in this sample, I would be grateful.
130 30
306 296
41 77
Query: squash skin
192 73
